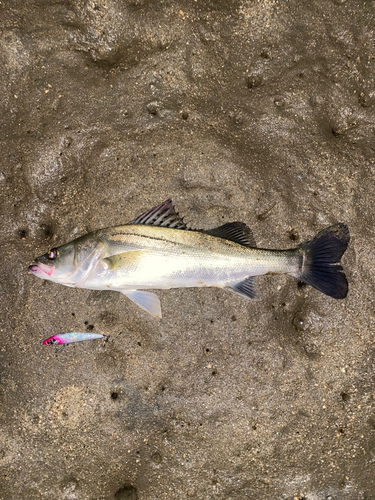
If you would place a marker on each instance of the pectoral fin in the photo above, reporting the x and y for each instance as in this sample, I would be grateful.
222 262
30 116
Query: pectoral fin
147 301
94 252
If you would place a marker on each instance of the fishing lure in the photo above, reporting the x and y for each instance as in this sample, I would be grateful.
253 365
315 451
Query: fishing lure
67 338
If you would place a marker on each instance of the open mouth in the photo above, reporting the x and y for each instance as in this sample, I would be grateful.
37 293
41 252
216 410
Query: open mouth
40 270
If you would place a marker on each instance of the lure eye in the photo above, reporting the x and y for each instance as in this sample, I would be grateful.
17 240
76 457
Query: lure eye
52 254
52 342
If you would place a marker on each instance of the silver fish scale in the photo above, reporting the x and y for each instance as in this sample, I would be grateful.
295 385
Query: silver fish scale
154 257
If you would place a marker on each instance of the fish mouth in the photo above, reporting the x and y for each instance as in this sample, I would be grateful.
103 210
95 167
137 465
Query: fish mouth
40 269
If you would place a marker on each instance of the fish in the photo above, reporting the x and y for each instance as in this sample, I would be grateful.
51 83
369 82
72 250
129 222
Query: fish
157 250
67 338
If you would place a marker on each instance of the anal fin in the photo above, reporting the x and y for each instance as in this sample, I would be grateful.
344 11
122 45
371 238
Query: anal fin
149 302
245 288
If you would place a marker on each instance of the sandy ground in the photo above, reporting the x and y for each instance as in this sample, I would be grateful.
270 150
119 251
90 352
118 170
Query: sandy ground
260 111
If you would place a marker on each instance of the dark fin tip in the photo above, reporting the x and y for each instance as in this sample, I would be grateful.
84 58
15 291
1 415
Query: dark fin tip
238 232
321 261
163 215
245 288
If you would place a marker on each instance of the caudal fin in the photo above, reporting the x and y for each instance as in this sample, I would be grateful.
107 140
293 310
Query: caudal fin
321 261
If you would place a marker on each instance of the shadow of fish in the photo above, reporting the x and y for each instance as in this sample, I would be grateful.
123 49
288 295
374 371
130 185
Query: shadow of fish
158 251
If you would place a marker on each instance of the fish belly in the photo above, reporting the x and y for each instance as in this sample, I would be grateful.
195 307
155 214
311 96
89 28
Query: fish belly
163 270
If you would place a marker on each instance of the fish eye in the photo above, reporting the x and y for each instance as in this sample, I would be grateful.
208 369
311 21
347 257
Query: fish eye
52 254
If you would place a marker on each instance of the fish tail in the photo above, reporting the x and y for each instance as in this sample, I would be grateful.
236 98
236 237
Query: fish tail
321 261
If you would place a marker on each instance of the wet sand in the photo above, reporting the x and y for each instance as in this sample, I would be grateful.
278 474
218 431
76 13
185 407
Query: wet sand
257 111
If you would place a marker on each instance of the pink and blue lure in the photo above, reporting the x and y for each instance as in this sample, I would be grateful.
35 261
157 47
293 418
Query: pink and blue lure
67 338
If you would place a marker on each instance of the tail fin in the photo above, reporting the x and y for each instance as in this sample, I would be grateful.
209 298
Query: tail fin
321 261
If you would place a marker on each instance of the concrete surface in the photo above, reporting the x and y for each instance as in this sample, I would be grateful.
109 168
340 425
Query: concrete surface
258 111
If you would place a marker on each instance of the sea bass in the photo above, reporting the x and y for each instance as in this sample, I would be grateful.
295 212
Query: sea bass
158 251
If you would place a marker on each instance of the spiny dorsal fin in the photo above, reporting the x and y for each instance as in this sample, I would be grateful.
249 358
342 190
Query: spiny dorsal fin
234 231
163 215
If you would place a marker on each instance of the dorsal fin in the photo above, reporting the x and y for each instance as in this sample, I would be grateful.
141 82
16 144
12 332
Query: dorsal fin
163 215
234 231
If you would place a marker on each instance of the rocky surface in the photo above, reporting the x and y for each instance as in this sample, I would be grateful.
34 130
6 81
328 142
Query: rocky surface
259 111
